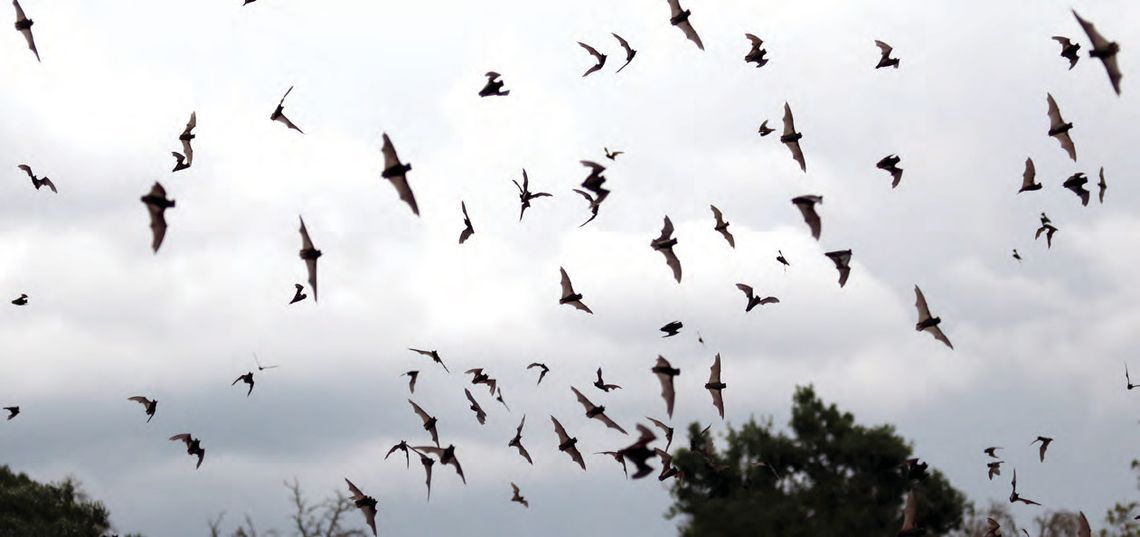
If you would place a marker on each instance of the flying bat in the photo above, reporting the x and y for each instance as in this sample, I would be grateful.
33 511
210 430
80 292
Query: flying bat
1102 49
1102 185
680 19
667 468
516 442
612 155
24 26
619 458
568 294
396 172
186 158
601 384
494 86
402 446
1016 255
12 411
543 370
1029 178
567 444
639 452
525 195
715 386
1128 379
722 226
366 504
412 377
479 377
791 138
842 260
594 202
926 321
664 243
309 254
890 163
885 60
992 451
298 293
1076 183
429 421
782 260
1068 50
1045 441
149 404
36 181
156 204
1059 129
434 355
468 230
246 378
279 113
672 328
22 300
595 411
806 205
260 367
427 462
757 52
601 59
629 52
517 497
478 410
993 468
665 373
446 456
193 446
753 299
1014 497
765 130
666 429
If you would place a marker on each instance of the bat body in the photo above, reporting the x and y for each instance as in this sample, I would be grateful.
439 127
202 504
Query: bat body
468 230
193 446
309 254
396 172
157 203
596 412
1029 178
757 52
927 322
1103 50
806 205
664 243
890 164
629 52
791 138
672 328
366 504
569 296
1076 183
885 59
24 26
149 404
568 444
842 260
665 373
525 195
494 86
680 18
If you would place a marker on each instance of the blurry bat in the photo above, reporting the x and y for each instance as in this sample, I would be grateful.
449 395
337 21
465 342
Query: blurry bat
446 456
478 410
672 328
367 505
664 243
427 462
246 378
12 411
1029 178
396 172
910 517
890 163
595 411
309 254
434 355
765 130
298 293
806 205
1045 441
1076 183
517 497
1102 185
639 452
665 373
601 384
157 204
1102 49
680 19
714 386
412 376
1014 497
543 370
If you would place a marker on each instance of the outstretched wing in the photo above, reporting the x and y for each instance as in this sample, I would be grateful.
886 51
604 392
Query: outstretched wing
399 181
589 406
885 48
806 205
1100 43
310 264
666 380
920 303
567 287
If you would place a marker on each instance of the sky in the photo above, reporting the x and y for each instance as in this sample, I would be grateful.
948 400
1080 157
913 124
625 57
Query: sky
1039 345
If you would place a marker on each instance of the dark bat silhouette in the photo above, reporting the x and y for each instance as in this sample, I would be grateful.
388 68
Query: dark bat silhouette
1076 183
1128 379
1016 255
21 301
806 205
149 404
595 411
926 321
24 26
667 468
543 370
664 243
366 504
619 458
842 260
665 373
1068 50
722 226
480 415
446 456
714 386
1045 441
1102 185
469 229
672 328
612 155
429 421
567 444
885 60
157 204
890 163
1059 129
516 442
791 138
1104 50
601 384
666 429
993 468
753 299
629 52
397 173
525 195
757 52
402 446
568 294
1048 230
412 377
783 260
246 378
1029 178
309 254
434 355
601 59
12 411
992 451
427 462
499 398
279 113
517 497
594 206
186 158
479 377
639 452
298 293
193 446
36 181
680 18
765 130
1014 497
593 183
494 86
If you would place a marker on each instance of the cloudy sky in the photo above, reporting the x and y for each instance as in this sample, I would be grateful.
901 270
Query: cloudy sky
1039 345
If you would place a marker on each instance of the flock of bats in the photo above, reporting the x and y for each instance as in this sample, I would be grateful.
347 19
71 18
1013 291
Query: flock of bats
639 452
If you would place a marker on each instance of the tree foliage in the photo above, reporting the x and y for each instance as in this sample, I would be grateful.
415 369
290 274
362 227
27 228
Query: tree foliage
28 507
827 476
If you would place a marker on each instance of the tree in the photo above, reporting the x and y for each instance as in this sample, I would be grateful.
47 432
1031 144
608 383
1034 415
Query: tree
322 519
28 507
829 476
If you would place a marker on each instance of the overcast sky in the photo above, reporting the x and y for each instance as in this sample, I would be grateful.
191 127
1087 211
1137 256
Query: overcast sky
1039 345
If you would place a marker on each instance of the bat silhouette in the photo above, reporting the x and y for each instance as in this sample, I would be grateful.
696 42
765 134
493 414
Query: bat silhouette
13 411
149 404
478 410
993 468
525 195
1104 50
567 444
494 86
412 377
757 52
593 183
783 260
36 181
664 243
517 497
516 442
434 355
157 204
753 299
672 328
667 468
246 378
885 60
479 377
1083 529
24 26
469 229
1059 129
279 113
595 204
842 260
680 19
1016 255
791 138
1045 441
666 429
595 411
309 254
260 367
429 421
665 373
21 301
722 226
992 451
1128 379
366 504
569 296
499 398
612 155
1048 230
1102 185
298 293
890 163
806 205
619 458
446 456
715 386
397 173
193 446
1076 183
1014 497
402 446
629 52
926 321
765 130
601 384
1068 50
639 452
427 462
186 158
601 59
543 370
1029 178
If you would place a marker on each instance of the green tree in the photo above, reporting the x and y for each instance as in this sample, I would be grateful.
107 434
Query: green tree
829 476
28 507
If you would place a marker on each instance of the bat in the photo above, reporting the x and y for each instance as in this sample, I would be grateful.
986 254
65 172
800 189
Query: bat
782 260
13 411
1045 441
396 173
1076 183
753 299
309 254
1059 129
619 458
186 157
842 260
543 370
722 226
715 386
525 194
157 204
664 243
991 451
36 181
434 355
601 384
429 421
428 462
757 52
680 19
1014 497
1029 178
193 446
791 138
412 377
569 296
1048 230
601 59
1016 255
890 163
566 444
993 468
257 361
639 452
806 205
885 60
667 468
24 26
494 86
479 377
1102 185
1102 49
469 229
298 293
366 504
666 429
926 321
517 497
446 457
480 415
246 378
1068 50
149 404
402 446
21 301
595 411
629 52
672 328
612 155
516 442
665 373
279 113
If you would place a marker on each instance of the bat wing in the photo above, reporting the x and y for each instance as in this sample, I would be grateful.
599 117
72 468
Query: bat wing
756 41
280 117
666 230
789 121
1110 66
47 182
400 182
811 218
717 215
714 371
920 304
674 8
1100 43
183 437
747 290
577 456
1055 119
567 287
937 333
356 494
691 33
559 430
420 412
465 234
666 381
673 262
609 423
1064 41
589 406
885 48
139 399
1029 176
1067 144
797 154
524 453
157 225
390 157
479 413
